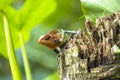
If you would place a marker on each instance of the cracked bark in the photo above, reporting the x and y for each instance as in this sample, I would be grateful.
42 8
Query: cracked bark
92 56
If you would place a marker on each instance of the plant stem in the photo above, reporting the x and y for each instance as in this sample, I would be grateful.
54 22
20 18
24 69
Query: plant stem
25 58
15 68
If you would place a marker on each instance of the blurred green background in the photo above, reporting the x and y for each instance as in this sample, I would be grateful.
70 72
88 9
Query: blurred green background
36 17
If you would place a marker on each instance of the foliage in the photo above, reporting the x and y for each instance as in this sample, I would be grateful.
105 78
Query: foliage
30 15
20 22
34 18
92 9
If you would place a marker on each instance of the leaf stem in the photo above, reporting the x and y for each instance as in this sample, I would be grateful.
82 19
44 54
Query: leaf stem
25 58
15 68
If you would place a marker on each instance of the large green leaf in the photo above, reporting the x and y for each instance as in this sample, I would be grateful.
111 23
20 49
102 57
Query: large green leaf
3 5
23 20
92 9
30 15
42 9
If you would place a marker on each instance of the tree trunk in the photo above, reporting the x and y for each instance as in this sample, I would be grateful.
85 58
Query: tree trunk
92 56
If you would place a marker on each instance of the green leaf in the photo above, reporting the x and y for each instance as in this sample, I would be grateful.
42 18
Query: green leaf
66 15
4 4
92 9
41 9
25 19
53 76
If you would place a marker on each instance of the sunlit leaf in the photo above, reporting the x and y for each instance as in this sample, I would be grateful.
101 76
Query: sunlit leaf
25 19
39 12
4 4
92 9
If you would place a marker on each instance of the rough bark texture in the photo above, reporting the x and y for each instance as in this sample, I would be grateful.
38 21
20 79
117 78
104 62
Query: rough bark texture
92 56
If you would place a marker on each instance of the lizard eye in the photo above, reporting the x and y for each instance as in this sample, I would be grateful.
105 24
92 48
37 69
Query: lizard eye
47 37
58 40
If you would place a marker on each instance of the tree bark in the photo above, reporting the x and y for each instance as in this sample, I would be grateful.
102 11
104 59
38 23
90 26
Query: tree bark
92 56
